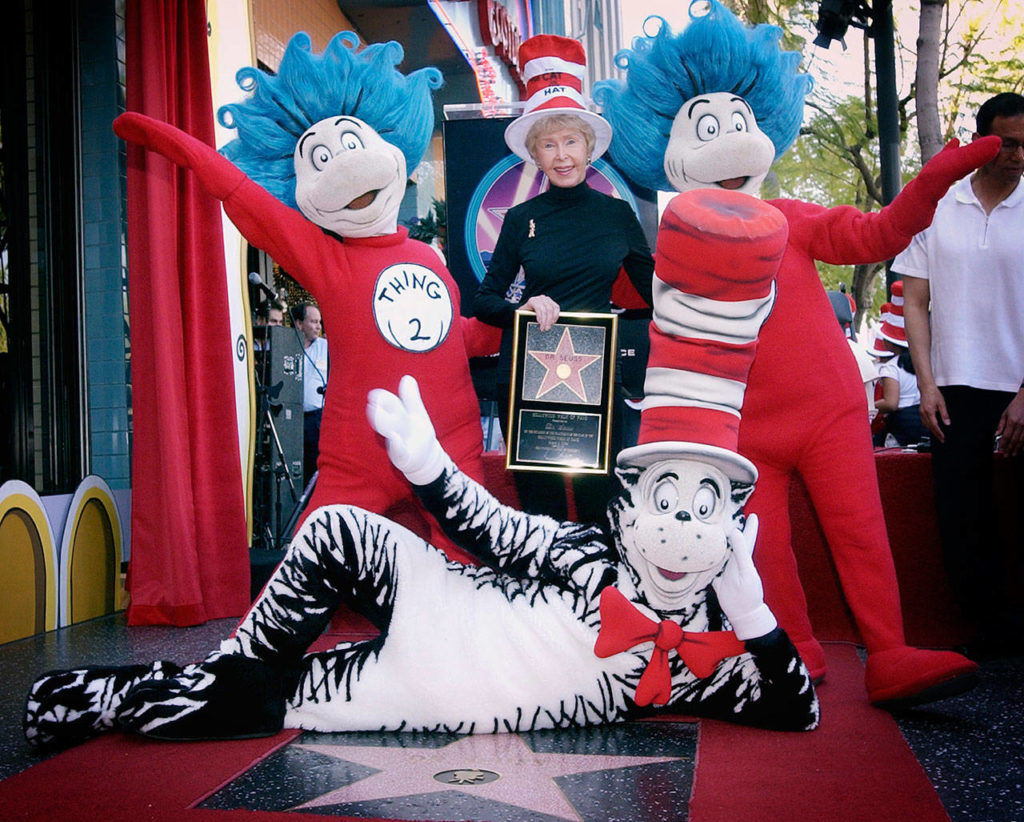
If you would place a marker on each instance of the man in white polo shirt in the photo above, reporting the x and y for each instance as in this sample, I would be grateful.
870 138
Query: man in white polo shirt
306 318
969 359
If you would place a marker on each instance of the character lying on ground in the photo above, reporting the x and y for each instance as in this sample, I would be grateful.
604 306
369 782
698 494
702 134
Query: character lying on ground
713 107
565 624
333 135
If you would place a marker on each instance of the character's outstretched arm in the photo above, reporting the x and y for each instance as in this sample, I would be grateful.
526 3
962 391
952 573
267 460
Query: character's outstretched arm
847 236
523 544
293 241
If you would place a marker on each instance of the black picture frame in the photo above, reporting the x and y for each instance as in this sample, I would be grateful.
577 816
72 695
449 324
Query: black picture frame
562 393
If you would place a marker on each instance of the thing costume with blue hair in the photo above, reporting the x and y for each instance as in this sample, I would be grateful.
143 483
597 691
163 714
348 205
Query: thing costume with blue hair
718 54
315 178
712 107
311 87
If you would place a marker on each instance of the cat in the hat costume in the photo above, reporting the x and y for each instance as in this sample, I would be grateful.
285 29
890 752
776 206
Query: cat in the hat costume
712 107
564 624
315 178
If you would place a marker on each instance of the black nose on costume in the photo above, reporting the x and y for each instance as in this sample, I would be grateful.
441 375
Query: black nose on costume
683 516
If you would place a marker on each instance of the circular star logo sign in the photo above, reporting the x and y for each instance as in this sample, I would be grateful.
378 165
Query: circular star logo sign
412 307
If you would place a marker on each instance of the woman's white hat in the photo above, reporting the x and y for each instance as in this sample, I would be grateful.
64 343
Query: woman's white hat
553 68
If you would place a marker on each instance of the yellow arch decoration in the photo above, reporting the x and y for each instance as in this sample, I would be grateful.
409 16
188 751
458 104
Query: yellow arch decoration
90 574
28 585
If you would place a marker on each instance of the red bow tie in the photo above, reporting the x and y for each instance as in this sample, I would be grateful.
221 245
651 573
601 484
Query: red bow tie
624 627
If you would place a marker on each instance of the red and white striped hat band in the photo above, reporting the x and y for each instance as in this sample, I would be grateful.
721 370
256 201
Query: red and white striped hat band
878 348
893 327
893 334
554 68
716 259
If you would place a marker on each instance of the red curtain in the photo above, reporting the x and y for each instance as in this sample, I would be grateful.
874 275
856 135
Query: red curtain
189 547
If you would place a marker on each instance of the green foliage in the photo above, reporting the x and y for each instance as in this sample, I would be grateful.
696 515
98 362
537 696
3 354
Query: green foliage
835 160
433 225
982 59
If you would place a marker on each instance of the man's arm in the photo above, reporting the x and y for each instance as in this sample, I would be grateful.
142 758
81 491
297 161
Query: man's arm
1010 430
916 298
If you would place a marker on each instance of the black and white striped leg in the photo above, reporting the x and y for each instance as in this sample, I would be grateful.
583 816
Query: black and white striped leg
340 554
67 707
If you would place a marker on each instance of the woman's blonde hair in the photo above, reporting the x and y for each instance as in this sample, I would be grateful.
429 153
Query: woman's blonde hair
557 122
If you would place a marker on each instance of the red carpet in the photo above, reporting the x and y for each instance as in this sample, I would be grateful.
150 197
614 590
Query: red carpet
855 767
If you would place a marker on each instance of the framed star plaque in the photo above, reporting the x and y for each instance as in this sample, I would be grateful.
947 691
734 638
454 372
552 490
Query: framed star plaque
563 385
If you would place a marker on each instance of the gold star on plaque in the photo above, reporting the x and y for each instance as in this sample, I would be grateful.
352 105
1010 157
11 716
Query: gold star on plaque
563 367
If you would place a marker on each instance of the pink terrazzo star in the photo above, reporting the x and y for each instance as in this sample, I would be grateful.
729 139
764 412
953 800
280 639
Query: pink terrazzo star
526 778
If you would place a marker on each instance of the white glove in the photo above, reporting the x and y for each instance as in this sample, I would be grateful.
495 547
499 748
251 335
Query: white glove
403 421
739 588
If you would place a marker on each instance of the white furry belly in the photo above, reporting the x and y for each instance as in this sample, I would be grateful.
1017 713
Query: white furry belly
466 657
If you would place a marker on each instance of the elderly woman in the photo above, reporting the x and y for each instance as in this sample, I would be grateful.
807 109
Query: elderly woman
570 241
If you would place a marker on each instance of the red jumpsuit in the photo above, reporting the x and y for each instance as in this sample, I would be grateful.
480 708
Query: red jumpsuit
805 412
357 282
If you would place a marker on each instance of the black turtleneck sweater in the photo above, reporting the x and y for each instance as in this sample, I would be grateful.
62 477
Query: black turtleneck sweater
571 243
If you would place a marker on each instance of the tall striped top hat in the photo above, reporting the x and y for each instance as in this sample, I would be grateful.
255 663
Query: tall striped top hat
554 68
893 328
716 259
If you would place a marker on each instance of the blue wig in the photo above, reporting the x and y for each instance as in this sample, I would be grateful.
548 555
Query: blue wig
715 53
309 88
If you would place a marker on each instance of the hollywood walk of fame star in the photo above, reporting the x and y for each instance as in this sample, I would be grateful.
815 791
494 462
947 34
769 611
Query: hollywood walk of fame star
526 778
563 367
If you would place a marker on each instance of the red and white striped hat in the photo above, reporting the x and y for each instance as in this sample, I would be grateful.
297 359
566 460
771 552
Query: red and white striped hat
878 349
716 259
893 328
554 68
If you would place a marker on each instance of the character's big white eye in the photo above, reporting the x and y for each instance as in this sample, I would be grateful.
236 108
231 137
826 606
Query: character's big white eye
666 498
704 502
351 141
739 122
708 127
320 156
